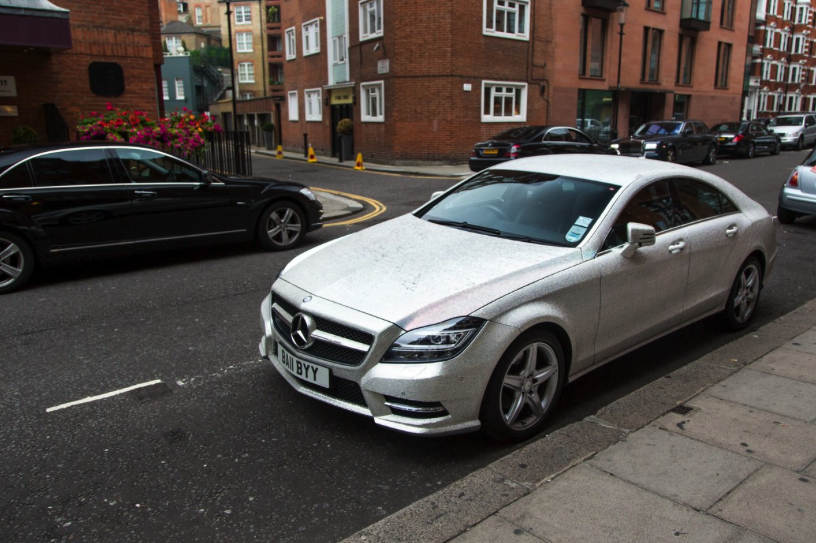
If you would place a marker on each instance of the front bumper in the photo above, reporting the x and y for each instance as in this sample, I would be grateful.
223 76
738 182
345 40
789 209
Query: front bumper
373 388
788 139
797 201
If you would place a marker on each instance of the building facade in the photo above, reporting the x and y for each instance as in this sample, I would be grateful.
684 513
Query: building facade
783 69
424 80
58 63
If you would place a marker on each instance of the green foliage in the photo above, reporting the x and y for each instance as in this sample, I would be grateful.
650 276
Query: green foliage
268 127
272 14
24 134
214 55
345 126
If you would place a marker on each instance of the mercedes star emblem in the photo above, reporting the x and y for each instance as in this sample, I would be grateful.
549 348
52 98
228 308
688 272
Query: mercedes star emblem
302 328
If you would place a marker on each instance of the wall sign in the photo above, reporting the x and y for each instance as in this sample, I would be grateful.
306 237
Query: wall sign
8 111
8 86
342 96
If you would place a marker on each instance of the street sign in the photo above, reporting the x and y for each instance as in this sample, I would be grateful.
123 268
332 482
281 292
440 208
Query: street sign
8 86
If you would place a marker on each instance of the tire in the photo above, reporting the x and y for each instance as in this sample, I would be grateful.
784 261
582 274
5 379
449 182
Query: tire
531 373
800 144
776 148
671 155
751 153
785 216
16 262
282 226
711 157
744 296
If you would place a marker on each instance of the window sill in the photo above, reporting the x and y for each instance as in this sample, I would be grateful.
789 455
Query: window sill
688 85
517 37
372 120
642 82
592 77
371 36
655 10
310 53
724 27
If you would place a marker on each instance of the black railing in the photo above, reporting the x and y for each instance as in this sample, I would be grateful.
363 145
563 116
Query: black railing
227 153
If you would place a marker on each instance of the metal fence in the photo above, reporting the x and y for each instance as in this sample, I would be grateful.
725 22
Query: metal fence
227 153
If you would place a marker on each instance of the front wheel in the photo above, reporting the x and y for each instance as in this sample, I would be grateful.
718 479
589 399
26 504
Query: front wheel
776 148
671 156
282 226
744 296
524 387
711 157
751 151
785 216
800 143
16 262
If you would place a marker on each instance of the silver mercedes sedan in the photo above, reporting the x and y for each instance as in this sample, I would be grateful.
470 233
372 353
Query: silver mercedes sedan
477 309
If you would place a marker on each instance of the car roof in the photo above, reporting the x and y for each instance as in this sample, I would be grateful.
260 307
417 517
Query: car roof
14 154
612 169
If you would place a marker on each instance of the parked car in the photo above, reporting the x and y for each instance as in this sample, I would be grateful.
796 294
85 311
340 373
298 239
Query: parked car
476 309
745 138
75 199
673 141
797 131
797 196
530 141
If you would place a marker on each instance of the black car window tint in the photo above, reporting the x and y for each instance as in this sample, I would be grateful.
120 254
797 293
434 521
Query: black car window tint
702 199
578 137
71 167
557 134
16 177
654 206
145 166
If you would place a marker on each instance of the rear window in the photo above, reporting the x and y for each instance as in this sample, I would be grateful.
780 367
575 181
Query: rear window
728 127
72 167
794 120
521 133
16 177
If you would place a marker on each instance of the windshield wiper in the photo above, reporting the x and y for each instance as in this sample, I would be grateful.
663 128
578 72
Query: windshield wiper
528 239
467 226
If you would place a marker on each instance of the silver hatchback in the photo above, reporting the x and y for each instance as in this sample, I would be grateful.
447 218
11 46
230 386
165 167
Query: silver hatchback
476 310
797 196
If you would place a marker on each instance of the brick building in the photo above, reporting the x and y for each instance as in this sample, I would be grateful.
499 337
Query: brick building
60 62
783 69
426 79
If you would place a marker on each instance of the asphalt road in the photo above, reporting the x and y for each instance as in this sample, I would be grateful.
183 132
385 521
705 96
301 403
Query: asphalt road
223 449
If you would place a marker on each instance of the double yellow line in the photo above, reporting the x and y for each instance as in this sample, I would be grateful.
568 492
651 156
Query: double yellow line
379 207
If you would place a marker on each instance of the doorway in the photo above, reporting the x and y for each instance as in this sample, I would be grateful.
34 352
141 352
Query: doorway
341 111
644 107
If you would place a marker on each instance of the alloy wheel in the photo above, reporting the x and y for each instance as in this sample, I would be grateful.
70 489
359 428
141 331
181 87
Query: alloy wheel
12 262
284 226
529 386
745 300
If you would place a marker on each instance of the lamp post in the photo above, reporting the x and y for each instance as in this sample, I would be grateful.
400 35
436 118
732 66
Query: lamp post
232 66
621 9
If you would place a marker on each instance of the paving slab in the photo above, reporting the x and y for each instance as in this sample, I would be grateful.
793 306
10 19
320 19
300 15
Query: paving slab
775 502
496 530
805 342
787 362
781 395
677 467
587 504
751 432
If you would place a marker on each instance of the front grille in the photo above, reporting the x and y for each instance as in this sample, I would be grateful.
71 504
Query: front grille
326 325
341 389
321 349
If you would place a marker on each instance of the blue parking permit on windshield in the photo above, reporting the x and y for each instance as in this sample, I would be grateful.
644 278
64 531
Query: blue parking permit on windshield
575 233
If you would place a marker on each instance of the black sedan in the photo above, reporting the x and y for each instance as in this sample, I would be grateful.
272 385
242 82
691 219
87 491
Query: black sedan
745 138
673 141
529 141
75 199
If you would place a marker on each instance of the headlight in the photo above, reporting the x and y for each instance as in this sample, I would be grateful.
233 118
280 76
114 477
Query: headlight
649 146
614 146
434 343
797 132
308 193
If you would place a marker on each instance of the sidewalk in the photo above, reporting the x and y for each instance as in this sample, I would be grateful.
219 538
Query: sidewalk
723 449
414 168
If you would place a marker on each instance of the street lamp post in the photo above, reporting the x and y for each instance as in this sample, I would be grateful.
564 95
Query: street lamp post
621 9
232 66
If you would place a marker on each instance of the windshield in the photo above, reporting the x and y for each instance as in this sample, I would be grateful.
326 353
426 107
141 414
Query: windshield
528 206
792 120
658 129
729 127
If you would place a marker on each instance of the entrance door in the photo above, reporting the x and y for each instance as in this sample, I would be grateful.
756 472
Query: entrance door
340 111
645 107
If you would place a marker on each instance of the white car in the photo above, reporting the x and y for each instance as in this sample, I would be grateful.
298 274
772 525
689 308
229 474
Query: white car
475 310
797 131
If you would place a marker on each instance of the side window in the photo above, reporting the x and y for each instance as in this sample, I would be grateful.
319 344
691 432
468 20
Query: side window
145 166
701 199
809 120
557 134
654 206
577 137
16 177
700 128
72 167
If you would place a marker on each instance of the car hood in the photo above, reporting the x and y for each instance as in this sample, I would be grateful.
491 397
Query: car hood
414 273
787 129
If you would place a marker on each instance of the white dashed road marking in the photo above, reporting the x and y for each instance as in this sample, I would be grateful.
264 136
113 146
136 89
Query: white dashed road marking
103 396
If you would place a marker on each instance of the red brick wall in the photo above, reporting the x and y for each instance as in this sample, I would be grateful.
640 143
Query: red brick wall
128 36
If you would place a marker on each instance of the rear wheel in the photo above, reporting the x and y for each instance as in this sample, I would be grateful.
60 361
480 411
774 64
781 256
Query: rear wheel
281 227
751 151
776 147
16 262
744 296
524 387
800 143
785 216
711 157
671 155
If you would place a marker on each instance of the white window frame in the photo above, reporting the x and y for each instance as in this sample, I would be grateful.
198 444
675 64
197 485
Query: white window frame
773 7
243 77
369 8
794 73
312 103
488 86
766 70
173 44
291 43
798 45
506 6
788 10
812 102
310 31
769 38
242 47
763 101
783 41
199 15
365 111
165 90
292 102
245 15
179 88
802 14
339 50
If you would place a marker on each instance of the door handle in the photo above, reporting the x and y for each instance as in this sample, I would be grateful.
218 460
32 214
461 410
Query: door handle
144 194
731 231
17 197
677 247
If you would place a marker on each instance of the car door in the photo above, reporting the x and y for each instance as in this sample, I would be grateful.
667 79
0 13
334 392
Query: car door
172 200
715 229
702 140
557 140
75 201
810 129
580 142
686 144
643 295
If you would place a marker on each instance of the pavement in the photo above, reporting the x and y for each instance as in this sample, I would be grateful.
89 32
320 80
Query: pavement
721 450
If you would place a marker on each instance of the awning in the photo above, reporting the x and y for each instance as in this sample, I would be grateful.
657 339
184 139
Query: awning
34 23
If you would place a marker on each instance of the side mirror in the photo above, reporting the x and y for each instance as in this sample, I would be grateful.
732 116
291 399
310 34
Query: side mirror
206 179
637 235
437 194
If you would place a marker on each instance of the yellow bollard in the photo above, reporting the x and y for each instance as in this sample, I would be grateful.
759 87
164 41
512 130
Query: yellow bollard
359 164
279 152
312 157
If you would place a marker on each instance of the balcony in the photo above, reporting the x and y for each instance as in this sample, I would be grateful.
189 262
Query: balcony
606 5
695 15
275 56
